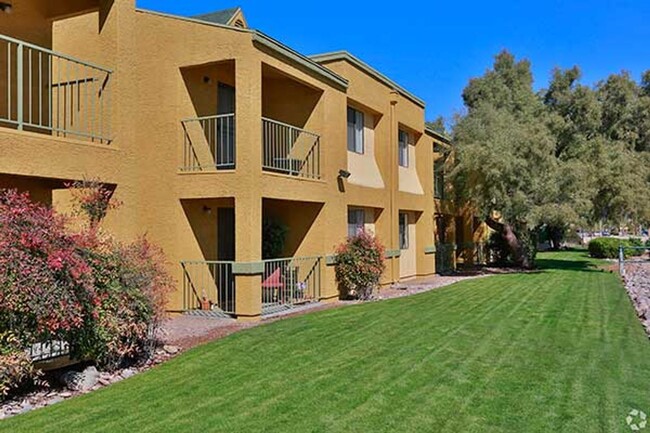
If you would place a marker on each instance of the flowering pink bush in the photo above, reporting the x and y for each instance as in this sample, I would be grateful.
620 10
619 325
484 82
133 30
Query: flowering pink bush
359 265
46 286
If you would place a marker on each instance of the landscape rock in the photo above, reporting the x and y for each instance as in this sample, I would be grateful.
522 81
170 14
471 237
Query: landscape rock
80 381
172 350
127 373
637 284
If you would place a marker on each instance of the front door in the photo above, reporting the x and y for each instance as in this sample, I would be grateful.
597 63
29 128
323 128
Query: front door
224 277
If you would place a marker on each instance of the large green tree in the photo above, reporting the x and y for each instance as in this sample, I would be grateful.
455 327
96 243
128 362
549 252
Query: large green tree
569 154
505 154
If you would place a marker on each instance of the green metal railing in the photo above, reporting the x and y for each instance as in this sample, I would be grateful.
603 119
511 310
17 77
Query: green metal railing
290 150
209 143
48 92
288 283
208 286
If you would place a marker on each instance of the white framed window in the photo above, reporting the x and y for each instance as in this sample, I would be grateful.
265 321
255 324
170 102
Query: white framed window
403 231
355 130
403 148
356 221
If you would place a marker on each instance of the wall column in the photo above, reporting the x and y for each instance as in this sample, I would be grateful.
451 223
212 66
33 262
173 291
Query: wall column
248 199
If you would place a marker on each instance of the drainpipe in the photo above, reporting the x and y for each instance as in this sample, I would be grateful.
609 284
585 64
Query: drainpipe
394 178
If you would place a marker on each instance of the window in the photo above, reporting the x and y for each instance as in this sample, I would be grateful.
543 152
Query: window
403 231
356 220
403 148
355 130
439 179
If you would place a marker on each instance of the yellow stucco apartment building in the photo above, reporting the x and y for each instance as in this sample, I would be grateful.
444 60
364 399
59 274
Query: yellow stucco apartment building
220 140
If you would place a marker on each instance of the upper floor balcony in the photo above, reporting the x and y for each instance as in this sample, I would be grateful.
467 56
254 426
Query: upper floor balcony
288 146
210 144
52 93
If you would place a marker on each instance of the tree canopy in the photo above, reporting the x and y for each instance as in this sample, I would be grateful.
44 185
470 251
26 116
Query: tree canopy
568 154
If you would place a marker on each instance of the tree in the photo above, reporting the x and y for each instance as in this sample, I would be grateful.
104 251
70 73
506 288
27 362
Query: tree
505 154
438 125
601 133
570 154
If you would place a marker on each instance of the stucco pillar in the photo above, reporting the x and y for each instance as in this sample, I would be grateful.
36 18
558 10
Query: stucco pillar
393 263
248 200
424 234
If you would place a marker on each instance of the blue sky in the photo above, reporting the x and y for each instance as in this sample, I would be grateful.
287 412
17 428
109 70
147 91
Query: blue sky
433 48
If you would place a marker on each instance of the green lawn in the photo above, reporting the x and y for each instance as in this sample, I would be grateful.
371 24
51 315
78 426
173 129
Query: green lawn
557 350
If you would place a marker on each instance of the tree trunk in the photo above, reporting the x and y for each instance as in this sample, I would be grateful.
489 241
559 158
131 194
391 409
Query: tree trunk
516 248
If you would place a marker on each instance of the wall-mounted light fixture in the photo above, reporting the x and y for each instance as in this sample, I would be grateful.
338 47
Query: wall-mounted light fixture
5 7
207 209
344 174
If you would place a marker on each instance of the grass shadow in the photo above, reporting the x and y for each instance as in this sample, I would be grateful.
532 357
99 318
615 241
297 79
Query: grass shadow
567 261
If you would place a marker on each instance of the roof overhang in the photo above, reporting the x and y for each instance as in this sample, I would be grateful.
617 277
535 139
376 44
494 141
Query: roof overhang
445 139
346 56
271 44
301 59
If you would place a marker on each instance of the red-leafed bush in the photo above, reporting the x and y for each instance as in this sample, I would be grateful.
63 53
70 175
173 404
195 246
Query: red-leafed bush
132 286
16 367
105 298
359 265
46 286
93 199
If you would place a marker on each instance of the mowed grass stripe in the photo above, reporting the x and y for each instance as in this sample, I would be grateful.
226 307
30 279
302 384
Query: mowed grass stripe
555 350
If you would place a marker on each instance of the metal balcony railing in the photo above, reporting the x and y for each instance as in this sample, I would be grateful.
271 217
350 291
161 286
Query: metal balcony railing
48 92
288 283
208 286
290 150
209 143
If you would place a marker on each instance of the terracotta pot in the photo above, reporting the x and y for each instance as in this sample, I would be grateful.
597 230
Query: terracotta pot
205 305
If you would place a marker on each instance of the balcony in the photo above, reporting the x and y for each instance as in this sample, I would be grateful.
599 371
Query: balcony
209 144
46 92
290 150
209 287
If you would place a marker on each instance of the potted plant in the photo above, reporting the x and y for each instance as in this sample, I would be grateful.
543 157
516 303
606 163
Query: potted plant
206 304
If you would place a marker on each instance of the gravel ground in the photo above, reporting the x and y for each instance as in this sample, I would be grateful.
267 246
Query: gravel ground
637 283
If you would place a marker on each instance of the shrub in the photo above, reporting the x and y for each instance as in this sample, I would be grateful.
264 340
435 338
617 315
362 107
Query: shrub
46 287
359 265
605 248
16 367
92 199
274 235
132 286
104 298
635 242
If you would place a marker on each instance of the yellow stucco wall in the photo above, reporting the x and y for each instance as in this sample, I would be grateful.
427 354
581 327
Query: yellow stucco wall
167 69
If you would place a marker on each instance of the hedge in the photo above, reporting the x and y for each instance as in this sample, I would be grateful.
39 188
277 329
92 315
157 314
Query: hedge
607 248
